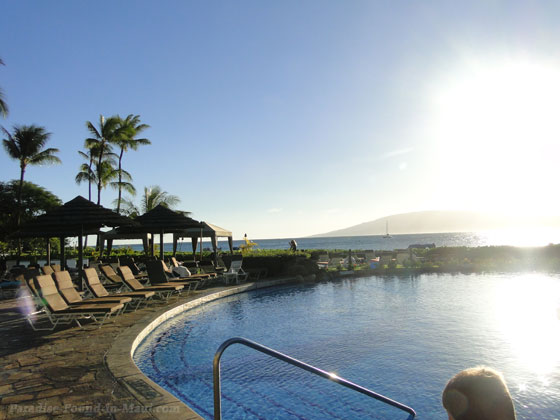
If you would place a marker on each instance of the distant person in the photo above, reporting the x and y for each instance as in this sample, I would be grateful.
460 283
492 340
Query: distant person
293 245
478 394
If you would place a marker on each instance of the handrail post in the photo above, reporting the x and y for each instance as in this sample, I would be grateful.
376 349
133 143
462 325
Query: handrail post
293 362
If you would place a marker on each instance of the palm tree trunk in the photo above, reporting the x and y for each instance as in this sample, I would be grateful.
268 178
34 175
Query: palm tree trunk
89 176
20 190
120 182
89 190
19 208
99 180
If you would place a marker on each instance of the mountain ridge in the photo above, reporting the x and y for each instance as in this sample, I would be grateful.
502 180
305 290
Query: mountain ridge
441 221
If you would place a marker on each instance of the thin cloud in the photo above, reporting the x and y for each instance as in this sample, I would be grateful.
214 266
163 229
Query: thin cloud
398 152
274 210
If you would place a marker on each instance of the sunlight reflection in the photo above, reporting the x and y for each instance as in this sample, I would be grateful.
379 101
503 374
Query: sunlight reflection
25 304
334 375
526 315
521 237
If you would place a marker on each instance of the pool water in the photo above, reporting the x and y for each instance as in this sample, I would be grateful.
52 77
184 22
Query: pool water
403 337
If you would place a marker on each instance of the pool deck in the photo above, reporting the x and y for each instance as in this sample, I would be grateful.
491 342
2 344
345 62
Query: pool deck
88 373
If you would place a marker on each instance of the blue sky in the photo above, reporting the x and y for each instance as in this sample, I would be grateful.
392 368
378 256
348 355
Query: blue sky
290 118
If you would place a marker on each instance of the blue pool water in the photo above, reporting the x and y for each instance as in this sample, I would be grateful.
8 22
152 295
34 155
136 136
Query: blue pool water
403 337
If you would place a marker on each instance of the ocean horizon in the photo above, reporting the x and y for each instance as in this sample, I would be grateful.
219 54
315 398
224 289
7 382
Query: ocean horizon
519 238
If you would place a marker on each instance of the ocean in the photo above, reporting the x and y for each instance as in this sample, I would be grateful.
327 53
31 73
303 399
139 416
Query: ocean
529 238
520 238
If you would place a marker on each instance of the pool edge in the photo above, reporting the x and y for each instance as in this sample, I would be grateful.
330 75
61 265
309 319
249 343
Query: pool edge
153 398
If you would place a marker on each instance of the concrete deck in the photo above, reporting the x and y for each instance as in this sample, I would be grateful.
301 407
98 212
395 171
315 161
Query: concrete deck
88 373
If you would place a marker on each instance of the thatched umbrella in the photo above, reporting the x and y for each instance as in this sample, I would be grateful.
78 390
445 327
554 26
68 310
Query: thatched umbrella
164 220
77 217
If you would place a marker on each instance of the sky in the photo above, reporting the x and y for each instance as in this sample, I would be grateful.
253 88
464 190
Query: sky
290 118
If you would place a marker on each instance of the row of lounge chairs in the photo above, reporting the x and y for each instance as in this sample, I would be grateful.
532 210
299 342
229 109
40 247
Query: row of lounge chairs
50 302
56 297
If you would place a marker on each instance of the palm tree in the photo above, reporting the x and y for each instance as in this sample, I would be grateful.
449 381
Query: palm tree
101 143
125 140
107 172
86 172
128 207
152 197
26 144
3 105
124 182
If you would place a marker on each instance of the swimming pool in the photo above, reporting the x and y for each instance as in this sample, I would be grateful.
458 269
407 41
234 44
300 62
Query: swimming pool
403 337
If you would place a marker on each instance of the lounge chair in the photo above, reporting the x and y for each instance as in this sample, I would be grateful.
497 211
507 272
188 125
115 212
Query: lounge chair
157 275
163 291
11 286
203 278
57 310
72 297
110 275
131 263
174 272
47 269
175 265
94 285
56 267
235 272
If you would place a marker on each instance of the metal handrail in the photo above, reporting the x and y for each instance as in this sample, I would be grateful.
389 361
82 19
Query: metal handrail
294 362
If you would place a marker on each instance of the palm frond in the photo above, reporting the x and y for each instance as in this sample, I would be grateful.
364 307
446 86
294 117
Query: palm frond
125 175
11 148
126 186
46 156
93 130
3 105
26 143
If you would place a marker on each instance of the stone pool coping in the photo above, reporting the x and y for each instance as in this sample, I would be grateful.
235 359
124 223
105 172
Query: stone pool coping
160 403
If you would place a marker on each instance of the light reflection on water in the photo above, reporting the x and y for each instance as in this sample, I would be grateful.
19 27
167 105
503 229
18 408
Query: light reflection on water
403 337
525 313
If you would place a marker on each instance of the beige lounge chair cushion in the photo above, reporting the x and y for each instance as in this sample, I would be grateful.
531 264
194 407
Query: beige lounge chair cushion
71 295
135 285
94 284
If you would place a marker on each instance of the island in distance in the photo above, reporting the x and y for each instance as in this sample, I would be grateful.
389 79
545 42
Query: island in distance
443 222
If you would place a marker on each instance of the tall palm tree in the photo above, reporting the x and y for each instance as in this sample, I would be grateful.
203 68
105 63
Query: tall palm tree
3 104
86 172
107 172
124 182
26 144
101 143
128 129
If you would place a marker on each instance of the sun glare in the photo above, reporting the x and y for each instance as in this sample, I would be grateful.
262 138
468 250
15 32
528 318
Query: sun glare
497 134
526 315
521 236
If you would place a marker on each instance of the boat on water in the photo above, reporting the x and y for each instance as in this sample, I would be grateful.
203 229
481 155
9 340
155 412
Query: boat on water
387 236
